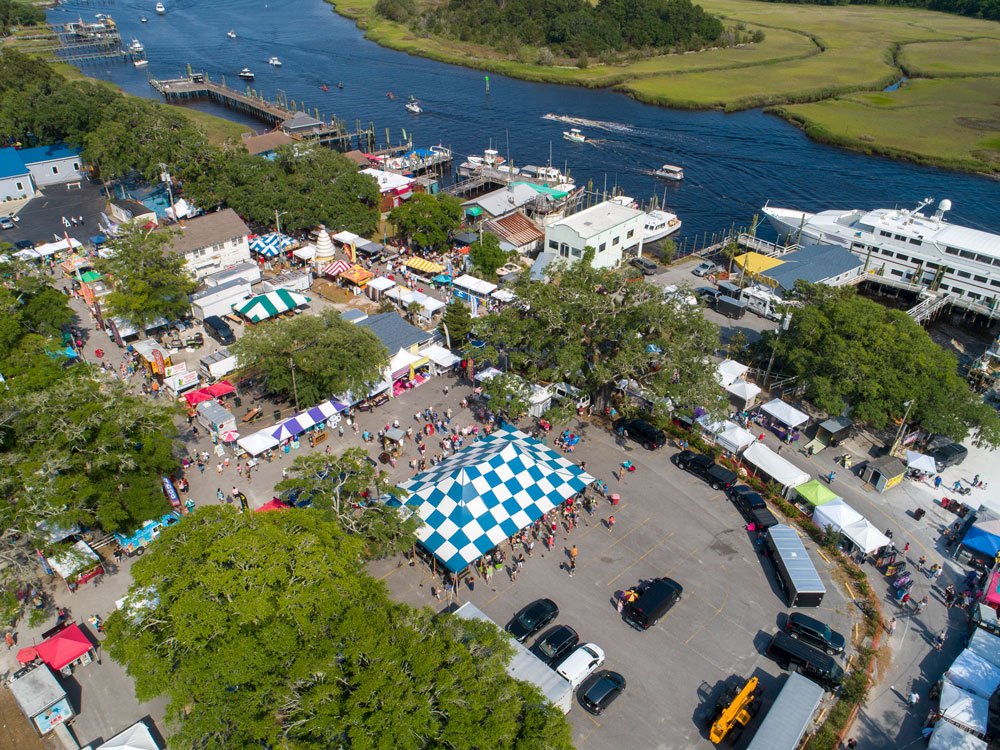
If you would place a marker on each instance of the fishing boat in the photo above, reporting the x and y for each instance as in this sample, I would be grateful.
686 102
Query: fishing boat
141 63
413 108
143 20
659 224
160 9
136 47
574 135
274 61
340 84
670 172
246 74
231 34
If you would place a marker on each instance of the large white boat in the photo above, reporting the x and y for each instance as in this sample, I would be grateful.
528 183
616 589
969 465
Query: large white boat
231 34
160 9
246 74
136 47
413 107
659 224
906 246
670 172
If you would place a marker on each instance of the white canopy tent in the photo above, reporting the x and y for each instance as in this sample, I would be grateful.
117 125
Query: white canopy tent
743 390
949 737
136 737
381 284
400 363
440 356
864 534
503 295
785 473
345 238
785 413
837 514
975 674
488 374
920 462
986 646
729 371
51 248
475 286
306 252
257 443
735 438
963 708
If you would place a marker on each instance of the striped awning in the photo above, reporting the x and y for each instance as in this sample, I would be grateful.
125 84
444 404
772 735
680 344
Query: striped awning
268 305
424 266
336 268
270 245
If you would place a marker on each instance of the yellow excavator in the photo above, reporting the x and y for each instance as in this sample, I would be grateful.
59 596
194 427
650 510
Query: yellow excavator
734 710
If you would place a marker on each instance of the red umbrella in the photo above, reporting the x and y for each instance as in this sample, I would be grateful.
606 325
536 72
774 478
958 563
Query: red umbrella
27 655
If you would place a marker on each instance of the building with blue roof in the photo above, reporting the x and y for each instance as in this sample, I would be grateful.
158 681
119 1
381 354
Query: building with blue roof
24 171
817 264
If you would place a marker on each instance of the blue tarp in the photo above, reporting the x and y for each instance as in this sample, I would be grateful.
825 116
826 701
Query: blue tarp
982 541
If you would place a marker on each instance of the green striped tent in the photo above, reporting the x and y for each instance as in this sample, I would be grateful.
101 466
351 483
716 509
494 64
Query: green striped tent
265 306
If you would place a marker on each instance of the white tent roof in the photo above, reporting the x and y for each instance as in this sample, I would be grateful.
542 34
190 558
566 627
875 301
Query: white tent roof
864 534
136 737
306 252
742 389
51 248
381 284
78 558
430 304
783 472
729 371
473 284
785 413
488 374
964 708
837 514
439 355
503 295
257 443
975 674
916 460
949 737
735 438
986 646
402 359
346 237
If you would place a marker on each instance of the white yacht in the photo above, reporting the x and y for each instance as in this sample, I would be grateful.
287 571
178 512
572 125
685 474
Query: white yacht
141 63
906 246
136 47
274 61
160 9
659 224
246 74
474 165
670 172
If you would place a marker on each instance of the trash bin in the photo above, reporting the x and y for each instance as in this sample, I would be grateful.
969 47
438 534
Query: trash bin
277 415
237 402
919 513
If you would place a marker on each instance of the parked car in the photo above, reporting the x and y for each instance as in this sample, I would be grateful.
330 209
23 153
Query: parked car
600 690
810 662
6 222
746 499
647 267
642 432
555 644
946 452
814 632
705 268
24 245
532 618
708 294
718 477
581 663
655 599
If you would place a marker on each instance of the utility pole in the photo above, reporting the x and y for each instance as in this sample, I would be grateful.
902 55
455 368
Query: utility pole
295 390
902 427
786 321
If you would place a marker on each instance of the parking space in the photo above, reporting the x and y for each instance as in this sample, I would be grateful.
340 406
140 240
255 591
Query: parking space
41 218
669 523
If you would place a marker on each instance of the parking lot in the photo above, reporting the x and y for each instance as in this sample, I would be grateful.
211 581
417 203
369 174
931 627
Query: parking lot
669 523
40 220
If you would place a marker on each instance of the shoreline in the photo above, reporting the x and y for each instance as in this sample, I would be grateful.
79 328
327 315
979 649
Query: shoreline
777 105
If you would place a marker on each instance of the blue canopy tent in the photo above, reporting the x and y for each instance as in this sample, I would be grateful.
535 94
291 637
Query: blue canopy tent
270 245
477 498
982 541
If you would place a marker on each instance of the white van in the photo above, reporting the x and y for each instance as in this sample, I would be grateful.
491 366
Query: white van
763 303
576 667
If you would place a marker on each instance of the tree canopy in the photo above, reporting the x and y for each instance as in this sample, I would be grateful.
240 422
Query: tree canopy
428 220
330 356
458 320
150 282
264 630
592 327
486 255
851 351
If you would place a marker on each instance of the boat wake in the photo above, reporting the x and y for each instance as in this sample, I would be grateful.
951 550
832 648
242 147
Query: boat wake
614 127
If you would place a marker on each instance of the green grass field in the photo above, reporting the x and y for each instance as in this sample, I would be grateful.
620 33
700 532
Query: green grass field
815 63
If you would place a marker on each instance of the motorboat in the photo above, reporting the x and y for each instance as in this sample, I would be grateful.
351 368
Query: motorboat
625 200
274 61
490 158
160 9
231 34
143 20
340 84
905 246
413 108
141 63
574 135
136 47
659 224
670 172
547 174
246 74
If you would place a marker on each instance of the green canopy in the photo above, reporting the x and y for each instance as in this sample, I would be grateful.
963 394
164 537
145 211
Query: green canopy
816 493
268 305
474 211
90 276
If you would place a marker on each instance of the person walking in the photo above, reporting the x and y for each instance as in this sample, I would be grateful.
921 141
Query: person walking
913 699
573 553
220 495
939 640
892 626
572 567
921 562
611 522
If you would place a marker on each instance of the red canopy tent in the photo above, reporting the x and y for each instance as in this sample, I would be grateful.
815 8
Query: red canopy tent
271 505
196 397
64 648
222 388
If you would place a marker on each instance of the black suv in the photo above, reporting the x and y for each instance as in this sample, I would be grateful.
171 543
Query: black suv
532 618
718 477
555 644
814 632
746 499
642 432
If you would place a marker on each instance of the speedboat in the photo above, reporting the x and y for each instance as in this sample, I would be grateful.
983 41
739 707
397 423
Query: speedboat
659 224
574 135
160 9
670 172
274 61
413 108
340 84
141 63
246 74
143 20
136 47
231 34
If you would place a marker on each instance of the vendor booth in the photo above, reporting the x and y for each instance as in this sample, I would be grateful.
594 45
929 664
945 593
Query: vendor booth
357 276
335 268
477 498
975 674
377 287
270 305
785 473
830 433
424 267
68 648
136 737
727 434
835 514
815 493
76 565
177 379
469 287
964 709
865 536
921 462
985 645
441 359
883 473
947 736
215 417
787 414
729 371
487 373
744 391
257 443
41 699
270 245
407 370
153 357
981 541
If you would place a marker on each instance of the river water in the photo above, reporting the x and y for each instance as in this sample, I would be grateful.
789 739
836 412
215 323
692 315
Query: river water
733 162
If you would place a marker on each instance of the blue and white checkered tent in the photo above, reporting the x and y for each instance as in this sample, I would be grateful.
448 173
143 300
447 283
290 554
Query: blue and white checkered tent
474 500
270 245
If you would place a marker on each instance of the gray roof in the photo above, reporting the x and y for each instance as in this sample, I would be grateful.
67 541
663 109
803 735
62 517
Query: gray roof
505 200
804 578
542 262
813 263
787 720
301 120
207 230
36 691
353 315
394 332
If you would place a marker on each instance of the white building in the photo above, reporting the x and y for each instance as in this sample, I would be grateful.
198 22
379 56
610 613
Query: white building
212 242
24 170
610 228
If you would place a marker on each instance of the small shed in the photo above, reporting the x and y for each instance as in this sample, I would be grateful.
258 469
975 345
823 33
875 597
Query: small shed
884 473
41 699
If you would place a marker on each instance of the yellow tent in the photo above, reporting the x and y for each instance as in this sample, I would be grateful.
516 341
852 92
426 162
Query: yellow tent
424 266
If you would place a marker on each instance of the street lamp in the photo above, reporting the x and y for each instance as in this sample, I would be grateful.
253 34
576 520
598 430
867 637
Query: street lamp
902 427
165 177
295 389
786 321
277 219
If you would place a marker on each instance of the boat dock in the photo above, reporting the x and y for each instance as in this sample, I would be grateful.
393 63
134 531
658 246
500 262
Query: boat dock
335 133
77 42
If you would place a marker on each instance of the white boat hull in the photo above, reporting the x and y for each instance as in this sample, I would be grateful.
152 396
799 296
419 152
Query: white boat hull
786 221
663 233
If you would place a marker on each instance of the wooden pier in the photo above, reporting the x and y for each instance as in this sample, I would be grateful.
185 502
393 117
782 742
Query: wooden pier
76 42
334 133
